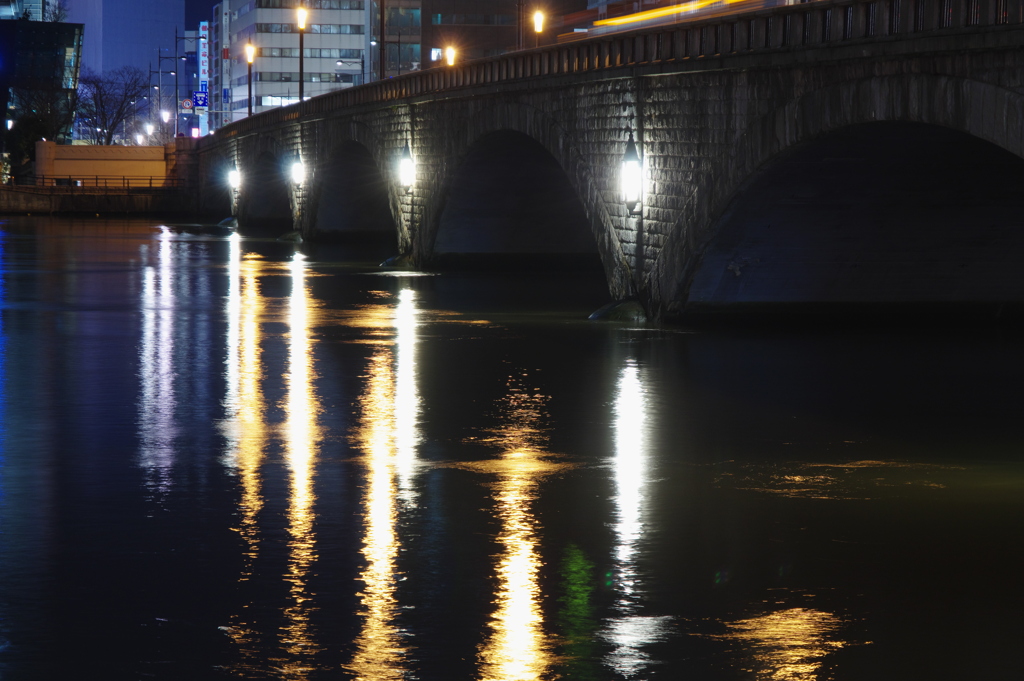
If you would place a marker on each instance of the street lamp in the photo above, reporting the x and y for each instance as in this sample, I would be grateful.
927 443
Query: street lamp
406 169
632 178
250 54
149 129
449 55
538 26
174 72
301 12
165 115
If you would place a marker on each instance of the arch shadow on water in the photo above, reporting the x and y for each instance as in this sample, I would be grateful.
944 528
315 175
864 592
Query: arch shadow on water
892 221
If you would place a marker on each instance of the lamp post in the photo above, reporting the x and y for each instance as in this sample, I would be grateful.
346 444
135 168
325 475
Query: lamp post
250 54
519 25
538 27
301 13
362 68
449 55
382 40
175 102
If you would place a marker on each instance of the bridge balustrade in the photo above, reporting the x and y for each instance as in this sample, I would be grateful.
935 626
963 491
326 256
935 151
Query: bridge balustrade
821 22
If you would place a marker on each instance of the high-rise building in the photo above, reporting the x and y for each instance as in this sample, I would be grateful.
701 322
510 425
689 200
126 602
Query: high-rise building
473 28
336 45
488 28
127 32
15 9
39 65
403 37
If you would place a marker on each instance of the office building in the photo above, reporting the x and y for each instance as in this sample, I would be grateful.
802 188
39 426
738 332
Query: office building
474 28
336 44
15 9
39 67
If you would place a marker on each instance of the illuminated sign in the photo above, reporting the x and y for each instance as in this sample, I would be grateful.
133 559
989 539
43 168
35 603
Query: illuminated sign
204 55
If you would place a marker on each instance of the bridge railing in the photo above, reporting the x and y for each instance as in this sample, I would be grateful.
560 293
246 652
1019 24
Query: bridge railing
97 183
822 22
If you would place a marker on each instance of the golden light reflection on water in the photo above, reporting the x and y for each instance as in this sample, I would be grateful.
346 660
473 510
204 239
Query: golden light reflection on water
787 645
301 436
860 480
517 648
245 428
388 435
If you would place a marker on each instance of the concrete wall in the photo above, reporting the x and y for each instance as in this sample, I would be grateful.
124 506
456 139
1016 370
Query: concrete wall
136 201
146 166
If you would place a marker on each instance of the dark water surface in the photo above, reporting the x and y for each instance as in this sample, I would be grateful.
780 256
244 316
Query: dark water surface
225 458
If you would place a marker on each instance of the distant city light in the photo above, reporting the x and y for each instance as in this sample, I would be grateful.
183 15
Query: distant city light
195 132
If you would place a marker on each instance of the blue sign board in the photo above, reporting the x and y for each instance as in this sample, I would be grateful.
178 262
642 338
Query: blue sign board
201 99
225 94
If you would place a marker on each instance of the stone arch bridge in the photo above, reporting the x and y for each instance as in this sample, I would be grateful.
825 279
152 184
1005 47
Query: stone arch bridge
779 150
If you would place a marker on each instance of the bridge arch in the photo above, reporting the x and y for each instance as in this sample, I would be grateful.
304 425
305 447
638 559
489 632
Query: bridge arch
265 198
216 195
487 121
973 116
350 197
509 196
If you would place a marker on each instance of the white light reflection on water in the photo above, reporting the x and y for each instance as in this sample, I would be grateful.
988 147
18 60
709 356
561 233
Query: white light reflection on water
388 434
158 401
630 631
301 440
233 310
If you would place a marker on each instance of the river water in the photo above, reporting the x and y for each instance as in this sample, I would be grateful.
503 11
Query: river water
239 458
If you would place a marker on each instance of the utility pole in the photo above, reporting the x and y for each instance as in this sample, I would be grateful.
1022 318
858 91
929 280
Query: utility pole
382 44
519 24
177 67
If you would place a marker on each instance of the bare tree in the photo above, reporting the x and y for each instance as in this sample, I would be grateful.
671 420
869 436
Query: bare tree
56 10
108 101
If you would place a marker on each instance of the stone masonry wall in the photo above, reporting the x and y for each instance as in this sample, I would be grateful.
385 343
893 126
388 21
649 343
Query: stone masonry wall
704 127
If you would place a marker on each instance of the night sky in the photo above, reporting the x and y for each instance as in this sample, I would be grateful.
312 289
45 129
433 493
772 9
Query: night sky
196 11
